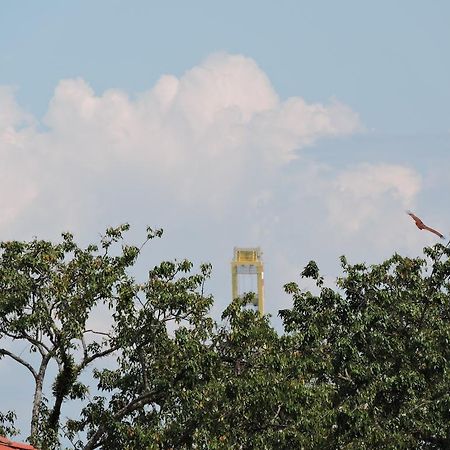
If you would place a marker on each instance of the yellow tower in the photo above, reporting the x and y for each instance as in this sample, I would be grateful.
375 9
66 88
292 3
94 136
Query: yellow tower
247 263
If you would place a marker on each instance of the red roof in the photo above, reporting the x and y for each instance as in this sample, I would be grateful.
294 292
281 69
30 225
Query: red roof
6 444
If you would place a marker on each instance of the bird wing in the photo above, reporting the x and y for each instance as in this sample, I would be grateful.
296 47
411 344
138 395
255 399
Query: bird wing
434 231
417 220
413 216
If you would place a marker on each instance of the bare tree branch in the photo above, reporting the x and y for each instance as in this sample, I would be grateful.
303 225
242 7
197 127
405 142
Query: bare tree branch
98 332
43 349
95 356
21 361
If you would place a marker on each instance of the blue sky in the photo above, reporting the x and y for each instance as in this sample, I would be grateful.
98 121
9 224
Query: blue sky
304 127
386 59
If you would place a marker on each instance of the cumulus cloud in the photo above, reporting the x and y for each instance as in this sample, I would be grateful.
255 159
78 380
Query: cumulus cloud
215 148
216 142
201 138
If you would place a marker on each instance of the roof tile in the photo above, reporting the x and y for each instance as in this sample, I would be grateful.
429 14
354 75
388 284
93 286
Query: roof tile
6 444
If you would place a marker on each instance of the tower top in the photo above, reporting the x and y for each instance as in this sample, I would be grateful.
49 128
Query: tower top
247 255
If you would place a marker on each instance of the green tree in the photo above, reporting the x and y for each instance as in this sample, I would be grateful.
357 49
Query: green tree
363 365
164 353
383 340
47 293
257 396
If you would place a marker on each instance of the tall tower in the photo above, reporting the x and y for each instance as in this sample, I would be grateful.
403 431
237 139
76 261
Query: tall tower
246 266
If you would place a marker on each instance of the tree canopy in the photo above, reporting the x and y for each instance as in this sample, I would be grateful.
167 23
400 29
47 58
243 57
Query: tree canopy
364 364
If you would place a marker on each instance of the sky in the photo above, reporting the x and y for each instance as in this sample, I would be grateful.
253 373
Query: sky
305 128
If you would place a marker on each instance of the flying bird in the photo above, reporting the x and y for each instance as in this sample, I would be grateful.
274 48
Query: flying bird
421 226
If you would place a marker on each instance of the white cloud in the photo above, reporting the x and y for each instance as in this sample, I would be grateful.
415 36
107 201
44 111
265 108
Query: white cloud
213 154
199 139
295 124
365 194
229 87
17 187
16 194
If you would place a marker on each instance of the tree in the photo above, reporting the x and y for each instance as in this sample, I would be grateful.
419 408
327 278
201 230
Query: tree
363 365
156 366
47 293
383 345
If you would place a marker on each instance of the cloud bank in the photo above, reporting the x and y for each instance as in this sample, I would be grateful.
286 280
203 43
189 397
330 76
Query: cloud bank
198 135
215 155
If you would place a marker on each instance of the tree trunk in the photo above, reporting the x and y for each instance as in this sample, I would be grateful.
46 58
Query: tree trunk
37 399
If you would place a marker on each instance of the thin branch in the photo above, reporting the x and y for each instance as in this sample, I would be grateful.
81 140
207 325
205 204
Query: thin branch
91 358
5 352
139 300
43 349
97 332
23 335
142 246
276 415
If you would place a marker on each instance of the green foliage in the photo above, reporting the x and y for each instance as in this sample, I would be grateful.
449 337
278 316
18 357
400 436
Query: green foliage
364 365
383 346
7 427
